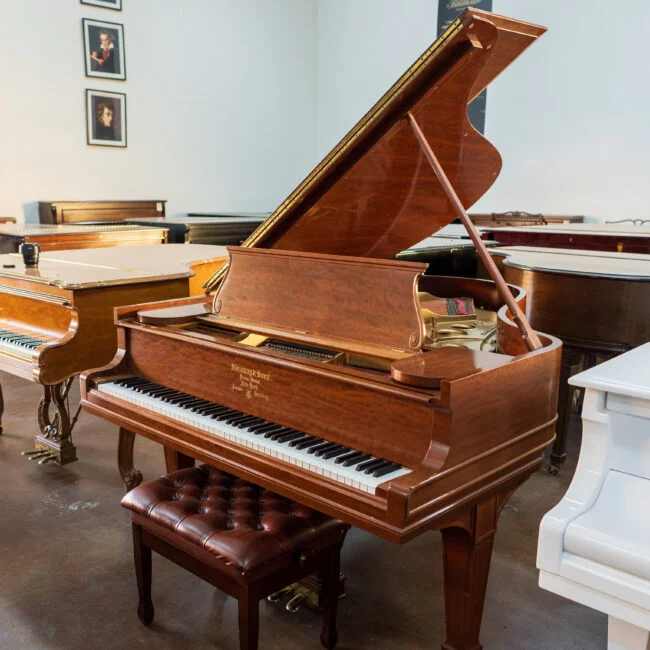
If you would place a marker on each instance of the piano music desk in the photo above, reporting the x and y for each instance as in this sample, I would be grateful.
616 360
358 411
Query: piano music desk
57 319
594 546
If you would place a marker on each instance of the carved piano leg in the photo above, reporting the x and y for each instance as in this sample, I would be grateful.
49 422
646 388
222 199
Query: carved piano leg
570 364
174 460
130 477
56 429
467 551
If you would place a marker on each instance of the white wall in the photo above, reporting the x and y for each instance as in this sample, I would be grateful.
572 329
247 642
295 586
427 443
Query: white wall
569 117
220 103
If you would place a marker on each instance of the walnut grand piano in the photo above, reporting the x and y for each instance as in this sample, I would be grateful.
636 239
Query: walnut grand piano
301 350
56 319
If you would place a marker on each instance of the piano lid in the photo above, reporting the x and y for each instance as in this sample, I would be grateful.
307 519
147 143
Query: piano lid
375 194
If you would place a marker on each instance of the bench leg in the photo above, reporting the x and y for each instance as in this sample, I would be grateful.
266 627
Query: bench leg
249 618
625 636
142 557
329 596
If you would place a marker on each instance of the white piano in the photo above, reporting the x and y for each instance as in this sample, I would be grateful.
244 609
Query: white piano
594 546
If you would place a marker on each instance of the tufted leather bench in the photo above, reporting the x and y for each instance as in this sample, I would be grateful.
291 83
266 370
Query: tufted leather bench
241 538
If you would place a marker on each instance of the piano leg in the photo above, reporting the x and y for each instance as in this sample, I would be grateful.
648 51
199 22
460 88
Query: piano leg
571 358
174 460
467 552
625 636
130 477
56 430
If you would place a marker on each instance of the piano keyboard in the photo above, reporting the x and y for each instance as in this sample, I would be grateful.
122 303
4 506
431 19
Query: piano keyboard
343 464
15 342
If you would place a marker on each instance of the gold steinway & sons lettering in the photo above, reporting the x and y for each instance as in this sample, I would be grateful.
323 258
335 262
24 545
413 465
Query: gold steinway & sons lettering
249 381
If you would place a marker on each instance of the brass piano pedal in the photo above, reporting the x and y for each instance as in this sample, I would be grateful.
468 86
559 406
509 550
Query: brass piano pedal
48 458
36 455
277 596
303 597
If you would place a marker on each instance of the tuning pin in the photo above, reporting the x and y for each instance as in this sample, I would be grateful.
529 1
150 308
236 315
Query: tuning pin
47 459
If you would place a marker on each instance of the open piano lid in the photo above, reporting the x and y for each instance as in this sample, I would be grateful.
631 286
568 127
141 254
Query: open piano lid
375 194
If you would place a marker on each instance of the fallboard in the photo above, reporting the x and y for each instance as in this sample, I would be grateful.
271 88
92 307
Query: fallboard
387 421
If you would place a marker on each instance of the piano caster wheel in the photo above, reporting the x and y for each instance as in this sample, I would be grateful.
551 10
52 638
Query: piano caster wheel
553 470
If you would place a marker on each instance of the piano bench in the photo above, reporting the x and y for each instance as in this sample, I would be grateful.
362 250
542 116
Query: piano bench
237 536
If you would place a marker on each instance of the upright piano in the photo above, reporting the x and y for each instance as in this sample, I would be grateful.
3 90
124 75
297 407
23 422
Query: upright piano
315 370
57 319
92 212
596 302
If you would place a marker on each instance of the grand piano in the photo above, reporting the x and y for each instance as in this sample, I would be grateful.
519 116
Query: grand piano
57 319
317 368
597 302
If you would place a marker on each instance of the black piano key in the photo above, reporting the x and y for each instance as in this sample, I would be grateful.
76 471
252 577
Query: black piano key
319 448
261 425
192 403
212 410
269 427
228 413
350 462
387 469
366 463
305 444
372 466
278 434
333 453
288 437
297 441
279 429
235 420
331 447
203 404
352 454
244 424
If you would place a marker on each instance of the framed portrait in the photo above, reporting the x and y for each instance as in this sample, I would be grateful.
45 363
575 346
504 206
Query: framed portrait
107 4
106 118
104 49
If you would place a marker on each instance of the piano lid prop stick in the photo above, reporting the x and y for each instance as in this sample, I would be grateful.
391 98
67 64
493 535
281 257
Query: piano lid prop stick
527 333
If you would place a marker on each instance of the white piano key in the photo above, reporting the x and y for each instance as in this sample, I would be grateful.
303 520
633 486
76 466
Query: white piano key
300 458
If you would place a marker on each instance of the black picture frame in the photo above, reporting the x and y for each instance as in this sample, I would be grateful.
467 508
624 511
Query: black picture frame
115 5
100 130
104 49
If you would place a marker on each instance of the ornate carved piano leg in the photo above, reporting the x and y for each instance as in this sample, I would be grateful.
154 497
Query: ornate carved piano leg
174 460
467 551
570 361
55 436
130 477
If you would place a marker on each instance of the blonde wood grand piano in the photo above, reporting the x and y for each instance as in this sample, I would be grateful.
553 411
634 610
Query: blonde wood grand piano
315 370
57 319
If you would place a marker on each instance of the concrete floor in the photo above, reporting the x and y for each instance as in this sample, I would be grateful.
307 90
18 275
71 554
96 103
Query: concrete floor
67 577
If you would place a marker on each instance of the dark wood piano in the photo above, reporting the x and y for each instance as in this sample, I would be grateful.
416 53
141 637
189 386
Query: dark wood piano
57 319
316 371
94 212
597 302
